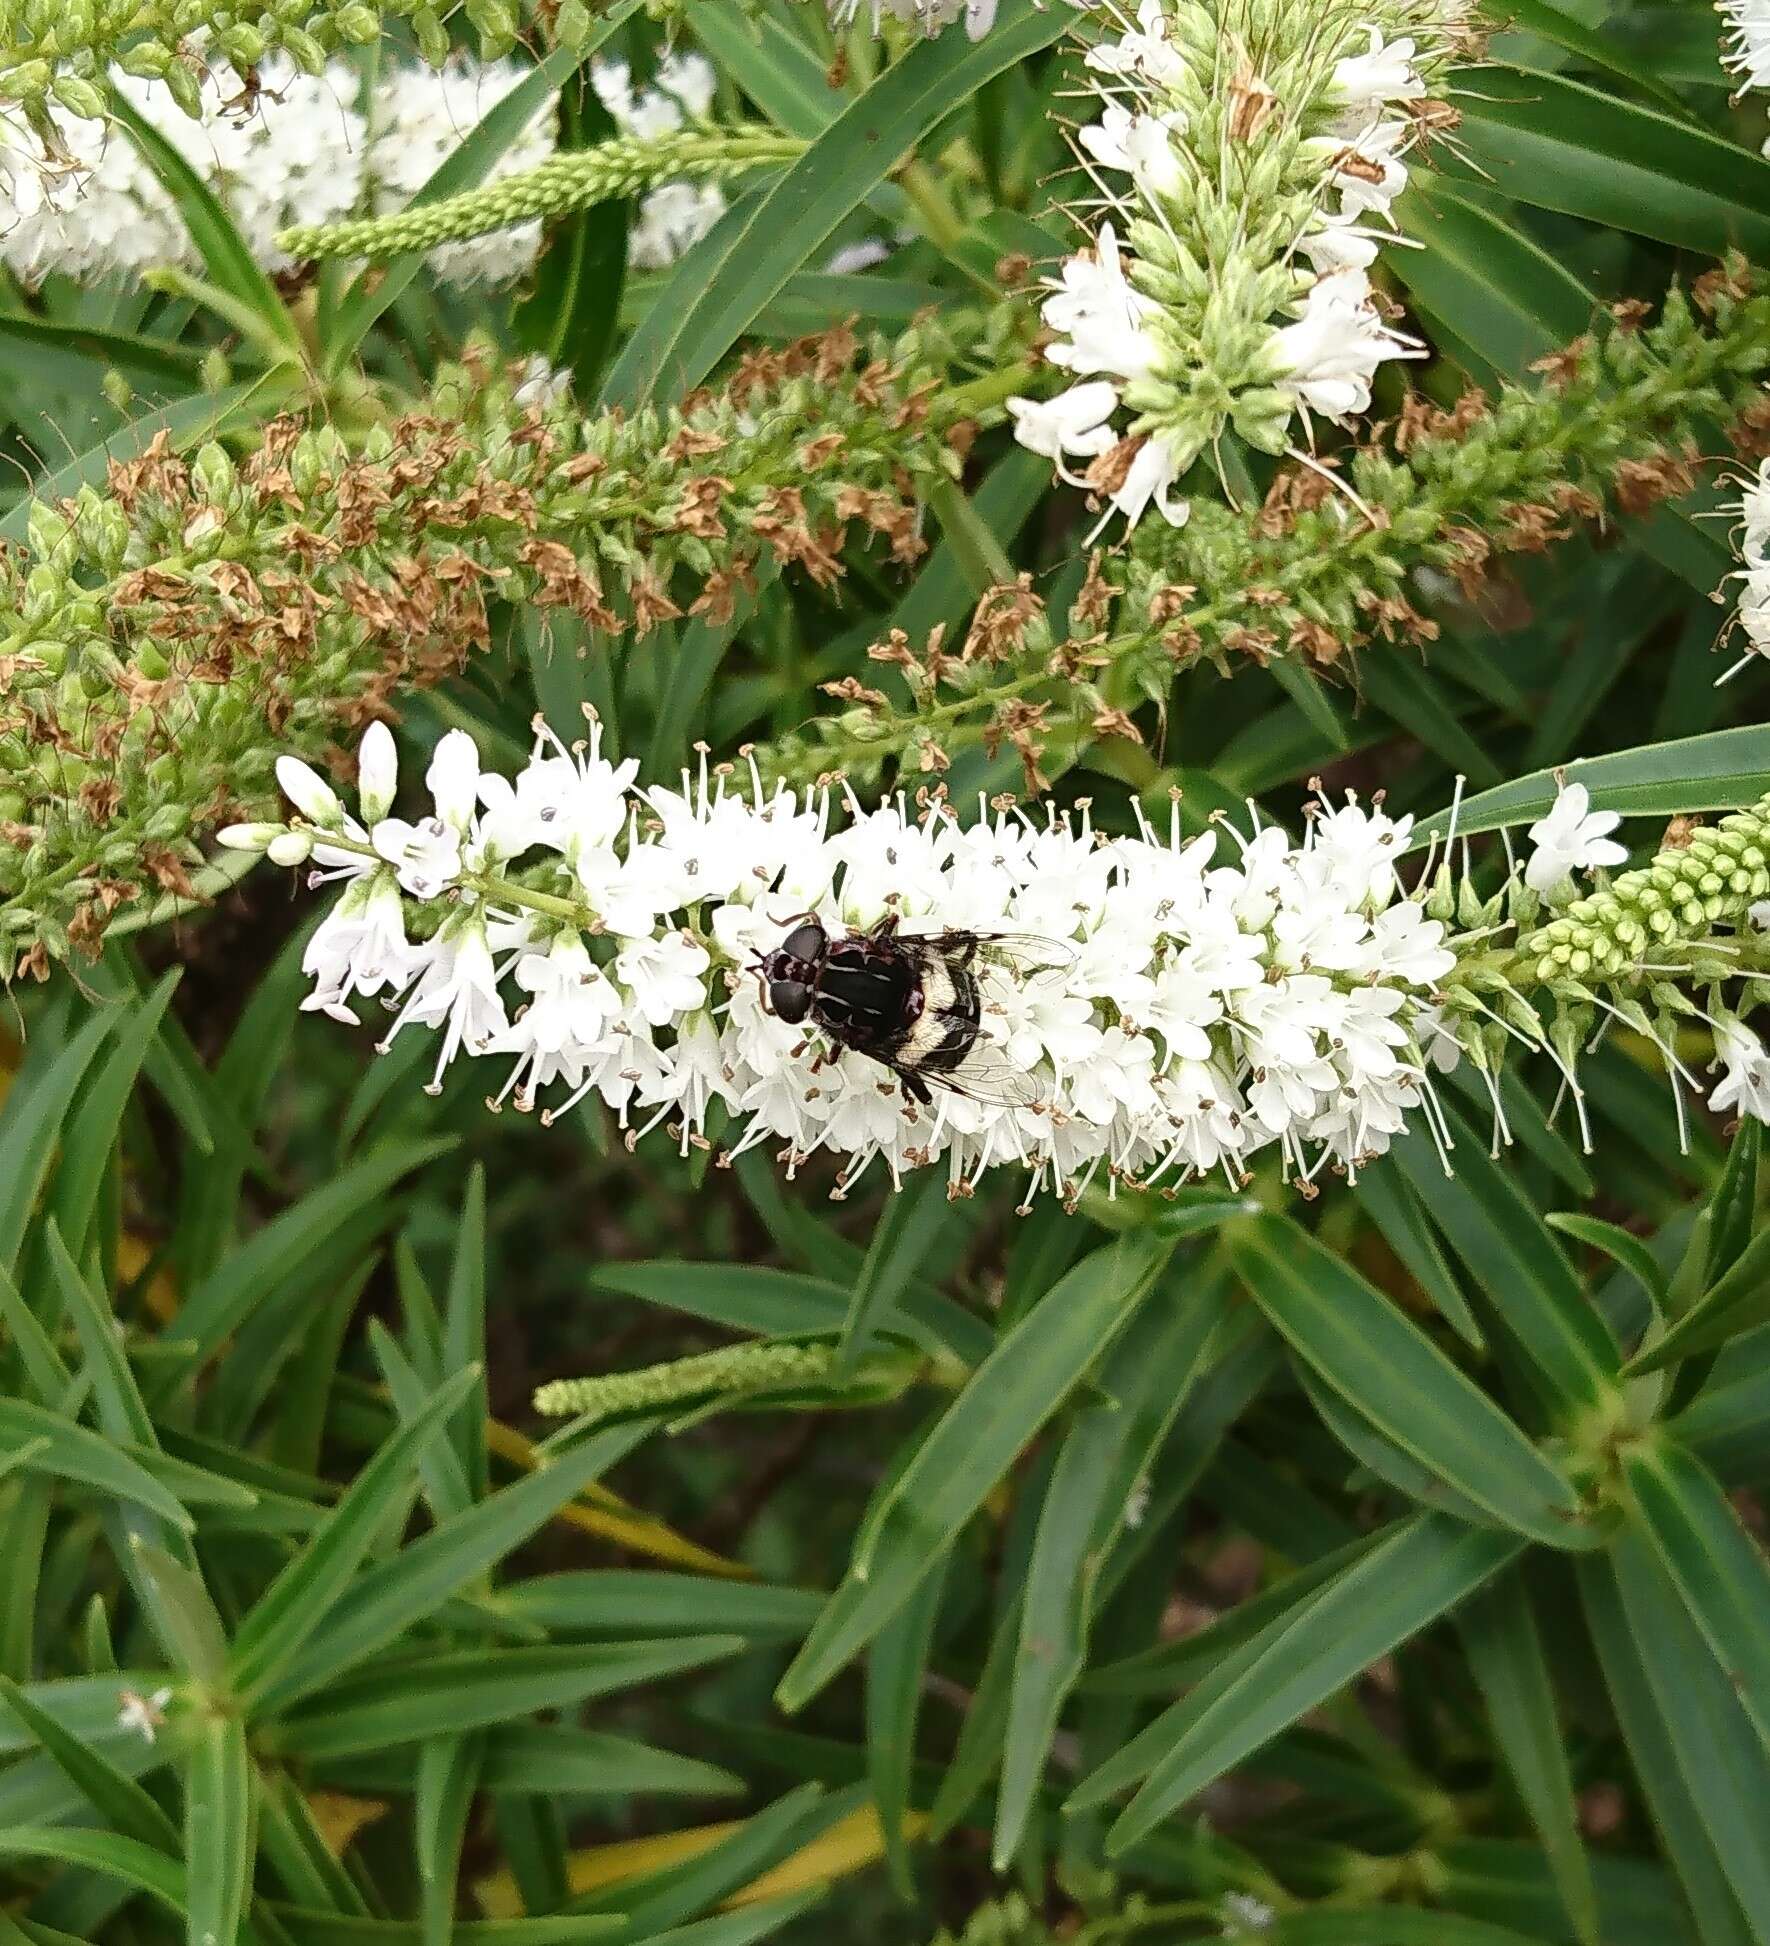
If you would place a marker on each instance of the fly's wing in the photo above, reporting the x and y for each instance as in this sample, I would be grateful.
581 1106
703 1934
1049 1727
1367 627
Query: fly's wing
986 1075
1024 953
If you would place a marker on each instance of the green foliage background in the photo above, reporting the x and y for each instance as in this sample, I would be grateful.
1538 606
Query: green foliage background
1395 1560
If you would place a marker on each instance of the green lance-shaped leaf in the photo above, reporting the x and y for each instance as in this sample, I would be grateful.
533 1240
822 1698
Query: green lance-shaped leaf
1718 1569
448 1776
1424 1568
242 1281
464 1332
1561 145
1713 1744
1143 1384
140 1867
179 1610
89 1138
1722 770
70 1452
256 308
467 1688
908 1229
1621 1246
897 1665
302 1596
122 1411
1505 1650
725 281
1385 1367
394 1594
219 1821
1657 1740
644 1601
31 1126
1010 1396
1530 1286
791 1303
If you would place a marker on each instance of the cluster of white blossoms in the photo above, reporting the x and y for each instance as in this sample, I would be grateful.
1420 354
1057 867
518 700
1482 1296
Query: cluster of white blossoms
1745 45
676 214
932 16
1751 614
1153 1007
1247 155
312 149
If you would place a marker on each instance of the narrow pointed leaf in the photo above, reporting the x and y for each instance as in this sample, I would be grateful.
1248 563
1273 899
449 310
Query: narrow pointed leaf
218 1831
1392 1373
1010 1396
1427 1567
1505 1650
1718 1569
302 1596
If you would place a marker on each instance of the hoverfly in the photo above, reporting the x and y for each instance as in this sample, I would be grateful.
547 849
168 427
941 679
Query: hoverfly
910 1001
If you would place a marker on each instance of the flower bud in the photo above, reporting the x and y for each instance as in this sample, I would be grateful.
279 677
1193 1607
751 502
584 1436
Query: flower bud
79 97
289 848
309 792
304 50
377 773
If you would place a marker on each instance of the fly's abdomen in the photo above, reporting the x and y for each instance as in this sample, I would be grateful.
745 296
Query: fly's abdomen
945 1030
868 999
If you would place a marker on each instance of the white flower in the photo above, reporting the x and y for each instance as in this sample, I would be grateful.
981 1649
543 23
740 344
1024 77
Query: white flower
557 1034
1744 1086
542 384
1144 147
1144 54
1572 838
1367 169
144 1715
426 856
630 1069
930 15
1340 244
1384 72
1330 355
626 896
1754 514
1244 1911
377 772
1405 943
666 976
1359 849
1745 48
1072 425
457 993
360 947
294 150
1151 477
566 800
1100 320
691 78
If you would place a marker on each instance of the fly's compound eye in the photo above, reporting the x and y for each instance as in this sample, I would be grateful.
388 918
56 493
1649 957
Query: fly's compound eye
789 1000
806 942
